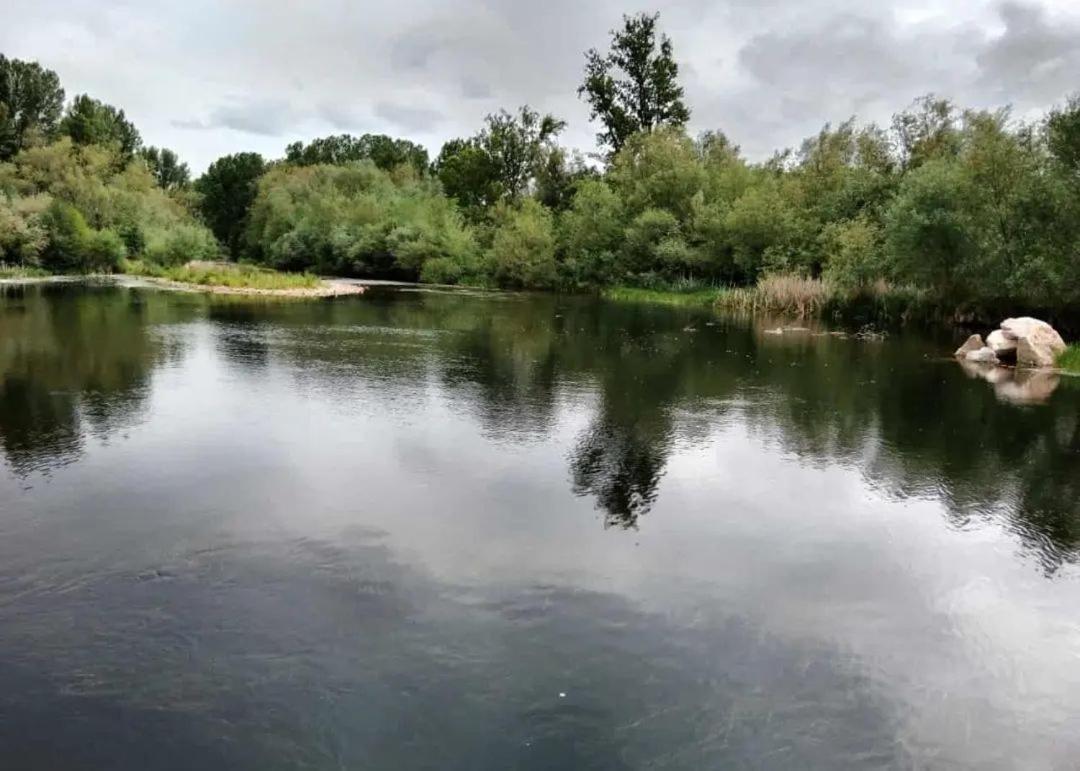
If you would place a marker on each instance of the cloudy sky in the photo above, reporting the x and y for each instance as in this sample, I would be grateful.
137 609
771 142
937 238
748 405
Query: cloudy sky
210 78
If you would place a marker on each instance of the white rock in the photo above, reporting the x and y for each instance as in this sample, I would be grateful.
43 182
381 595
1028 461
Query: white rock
973 343
985 355
1002 345
1037 343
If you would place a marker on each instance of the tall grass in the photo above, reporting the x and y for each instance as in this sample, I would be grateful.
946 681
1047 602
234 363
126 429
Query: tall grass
22 271
781 295
1070 359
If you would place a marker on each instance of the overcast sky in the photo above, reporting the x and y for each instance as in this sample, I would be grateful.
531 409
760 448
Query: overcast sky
210 78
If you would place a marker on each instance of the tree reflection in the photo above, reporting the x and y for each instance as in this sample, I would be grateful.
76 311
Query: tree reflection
73 361
77 362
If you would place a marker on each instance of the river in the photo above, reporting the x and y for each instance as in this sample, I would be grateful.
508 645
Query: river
460 530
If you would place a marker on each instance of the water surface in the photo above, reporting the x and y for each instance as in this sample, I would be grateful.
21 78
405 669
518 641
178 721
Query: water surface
423 530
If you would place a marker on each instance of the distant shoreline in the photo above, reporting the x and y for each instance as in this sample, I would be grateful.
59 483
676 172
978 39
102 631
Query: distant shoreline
325 289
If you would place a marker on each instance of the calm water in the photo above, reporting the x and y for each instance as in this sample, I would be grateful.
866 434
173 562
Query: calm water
451 531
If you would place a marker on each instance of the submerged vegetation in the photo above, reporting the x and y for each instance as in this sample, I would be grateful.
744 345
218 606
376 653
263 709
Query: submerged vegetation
945 211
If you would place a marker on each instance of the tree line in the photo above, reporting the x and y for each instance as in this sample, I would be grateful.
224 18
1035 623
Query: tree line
968 204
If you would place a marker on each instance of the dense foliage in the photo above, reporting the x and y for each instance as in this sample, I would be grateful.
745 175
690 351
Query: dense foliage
71 208
963 206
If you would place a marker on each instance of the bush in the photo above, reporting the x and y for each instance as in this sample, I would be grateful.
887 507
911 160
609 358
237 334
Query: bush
853 250
181 244
522 253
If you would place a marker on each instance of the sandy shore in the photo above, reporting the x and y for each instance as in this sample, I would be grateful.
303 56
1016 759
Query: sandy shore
326 288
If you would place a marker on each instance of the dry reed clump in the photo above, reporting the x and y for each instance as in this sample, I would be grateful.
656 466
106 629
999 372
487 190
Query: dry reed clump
786 295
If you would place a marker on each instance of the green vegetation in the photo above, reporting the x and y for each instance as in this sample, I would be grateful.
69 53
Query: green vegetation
236 276
946 211
22 271
700 297
1070 360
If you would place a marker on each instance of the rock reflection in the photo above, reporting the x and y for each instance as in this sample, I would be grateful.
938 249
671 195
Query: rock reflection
1013 385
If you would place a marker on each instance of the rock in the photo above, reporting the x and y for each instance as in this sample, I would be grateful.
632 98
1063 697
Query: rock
1003 346
974 343
984 355
1029 354
1037 343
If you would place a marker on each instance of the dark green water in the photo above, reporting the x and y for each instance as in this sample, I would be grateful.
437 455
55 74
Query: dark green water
452 531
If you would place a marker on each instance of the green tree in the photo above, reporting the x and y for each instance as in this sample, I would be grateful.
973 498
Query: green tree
926 227
522 254
89 121
927 130
1063 135
31 101
517 145
592 234
634 86
468 174
501 162
228 188
384 151
166 167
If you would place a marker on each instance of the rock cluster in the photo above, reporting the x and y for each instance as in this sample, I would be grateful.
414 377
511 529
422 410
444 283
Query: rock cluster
1025 341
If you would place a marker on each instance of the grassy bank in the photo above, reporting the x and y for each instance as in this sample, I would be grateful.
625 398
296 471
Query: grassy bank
1070 360
232 276
696 297
21 271
794 297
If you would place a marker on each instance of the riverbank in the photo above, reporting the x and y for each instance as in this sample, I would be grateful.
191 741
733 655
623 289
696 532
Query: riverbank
879 305
210 278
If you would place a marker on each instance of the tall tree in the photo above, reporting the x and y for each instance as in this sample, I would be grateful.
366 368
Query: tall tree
468 174
502 161
89 121
1063 135
384 151
927 130
166 167
634 86
31 101
517 145
228 189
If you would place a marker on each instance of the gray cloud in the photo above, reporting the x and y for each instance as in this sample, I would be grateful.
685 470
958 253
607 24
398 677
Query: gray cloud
1035 60
257 73
409 118
265 117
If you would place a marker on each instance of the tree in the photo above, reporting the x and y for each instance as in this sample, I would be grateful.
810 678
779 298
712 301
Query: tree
1063 135
31 101
228 189
89 121
634 86
516 145
927 130
522 254
502 161
166 167
468 174
385 152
